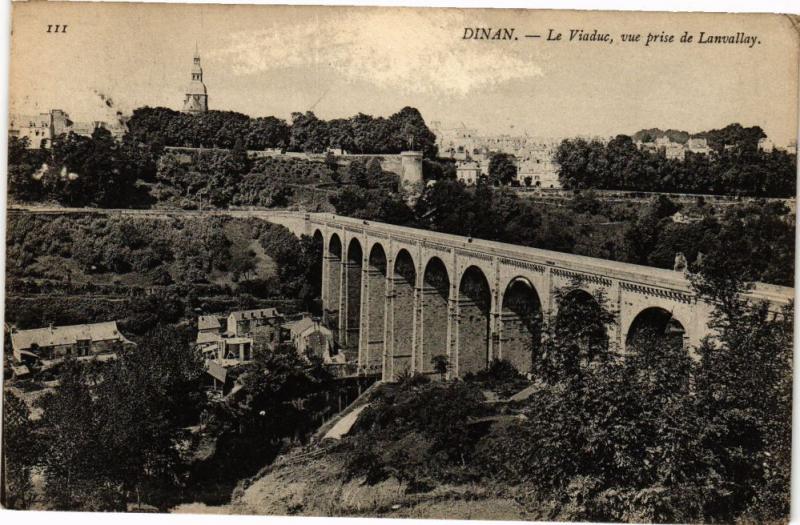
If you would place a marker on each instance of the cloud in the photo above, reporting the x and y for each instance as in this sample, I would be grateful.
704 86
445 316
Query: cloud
398 49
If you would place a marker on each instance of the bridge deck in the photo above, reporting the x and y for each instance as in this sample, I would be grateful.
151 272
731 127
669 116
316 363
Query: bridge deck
634 273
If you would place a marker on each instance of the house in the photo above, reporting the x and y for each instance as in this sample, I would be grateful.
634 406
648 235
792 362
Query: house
310 337
686 218
242 323
245 331
221 374
54 342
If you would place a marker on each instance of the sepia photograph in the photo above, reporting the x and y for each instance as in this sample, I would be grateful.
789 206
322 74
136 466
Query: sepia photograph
399 262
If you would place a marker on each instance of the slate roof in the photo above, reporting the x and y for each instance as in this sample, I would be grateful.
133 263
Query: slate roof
217 371
66 335
300 326
208 322
304 325
266 313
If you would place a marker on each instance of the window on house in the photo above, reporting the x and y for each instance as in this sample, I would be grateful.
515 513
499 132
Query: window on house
82 347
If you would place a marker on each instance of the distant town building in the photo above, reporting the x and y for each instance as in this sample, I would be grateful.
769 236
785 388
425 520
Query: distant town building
468 172
541 169
766 145
675 150
535 156
196 99
664 145
699 146
41 129
663 141
84 340
651 147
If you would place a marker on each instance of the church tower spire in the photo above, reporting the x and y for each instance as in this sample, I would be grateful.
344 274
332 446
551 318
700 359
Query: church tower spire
196 100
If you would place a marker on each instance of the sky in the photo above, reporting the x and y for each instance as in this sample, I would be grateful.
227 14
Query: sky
273 60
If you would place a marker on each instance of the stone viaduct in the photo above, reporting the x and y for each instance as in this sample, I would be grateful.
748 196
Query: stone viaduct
397 297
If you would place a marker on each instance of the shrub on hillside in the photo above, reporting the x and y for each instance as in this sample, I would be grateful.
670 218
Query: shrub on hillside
418 434
501 377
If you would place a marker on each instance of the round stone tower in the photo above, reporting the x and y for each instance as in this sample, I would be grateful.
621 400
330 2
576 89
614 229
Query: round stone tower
411 178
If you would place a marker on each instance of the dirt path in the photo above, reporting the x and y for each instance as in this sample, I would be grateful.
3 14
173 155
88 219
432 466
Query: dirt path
343 426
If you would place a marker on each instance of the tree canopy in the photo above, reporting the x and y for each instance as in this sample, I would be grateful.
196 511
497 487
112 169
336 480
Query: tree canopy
404 130
735 166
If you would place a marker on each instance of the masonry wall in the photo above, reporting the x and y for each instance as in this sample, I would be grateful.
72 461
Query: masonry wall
353 290
376 309
434 328
403 329
518 341
331 313
473 337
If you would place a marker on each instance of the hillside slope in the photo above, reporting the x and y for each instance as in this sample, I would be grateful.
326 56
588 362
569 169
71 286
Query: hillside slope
317 486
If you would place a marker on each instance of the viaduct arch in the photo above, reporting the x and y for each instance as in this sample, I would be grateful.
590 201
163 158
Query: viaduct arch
397 297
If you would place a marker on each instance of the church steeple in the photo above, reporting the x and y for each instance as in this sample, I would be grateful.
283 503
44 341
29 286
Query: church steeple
196 100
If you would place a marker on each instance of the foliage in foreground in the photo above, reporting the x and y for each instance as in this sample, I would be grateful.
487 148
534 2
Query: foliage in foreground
653 435
110 433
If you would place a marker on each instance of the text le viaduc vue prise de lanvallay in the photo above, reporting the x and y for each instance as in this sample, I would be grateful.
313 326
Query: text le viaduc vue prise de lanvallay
596 36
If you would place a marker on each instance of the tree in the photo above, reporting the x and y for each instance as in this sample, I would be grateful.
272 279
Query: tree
578 339
89 170
267 403
409 127
23 163
20 446
113 430
447 206
267 132
356 173
642 236
440 365
502 169
734 167
76 462
750 350
308 133
242 262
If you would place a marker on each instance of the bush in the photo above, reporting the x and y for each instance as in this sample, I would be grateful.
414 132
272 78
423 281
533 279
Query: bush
500 377
417 433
